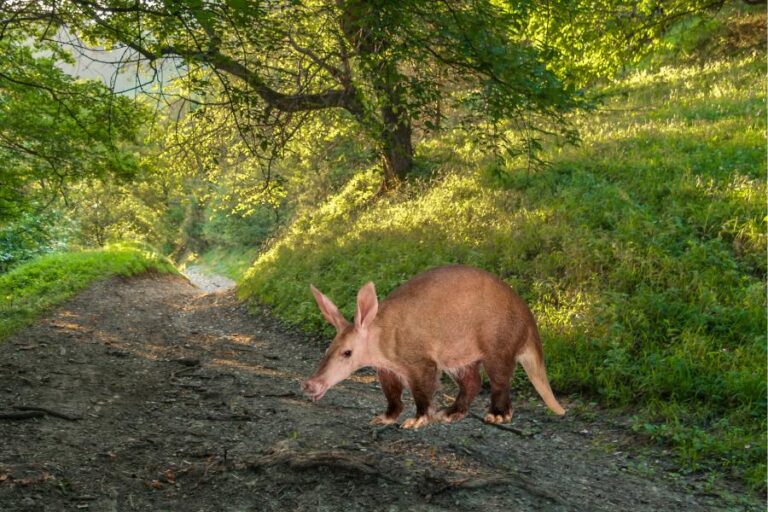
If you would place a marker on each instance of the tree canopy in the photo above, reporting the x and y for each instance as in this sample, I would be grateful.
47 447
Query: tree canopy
396 69
391 67
55 129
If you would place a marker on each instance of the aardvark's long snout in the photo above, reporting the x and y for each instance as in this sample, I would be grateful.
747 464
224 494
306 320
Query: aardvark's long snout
314 389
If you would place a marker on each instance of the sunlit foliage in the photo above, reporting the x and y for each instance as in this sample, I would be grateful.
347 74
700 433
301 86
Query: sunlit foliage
56 131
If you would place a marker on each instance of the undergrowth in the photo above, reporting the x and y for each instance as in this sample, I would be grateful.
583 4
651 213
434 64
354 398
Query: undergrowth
32 288
641 253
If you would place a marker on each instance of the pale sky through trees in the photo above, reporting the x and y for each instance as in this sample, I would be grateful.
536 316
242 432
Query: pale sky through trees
117 68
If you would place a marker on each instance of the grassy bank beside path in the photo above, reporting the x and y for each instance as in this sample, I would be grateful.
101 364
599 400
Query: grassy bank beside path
31 289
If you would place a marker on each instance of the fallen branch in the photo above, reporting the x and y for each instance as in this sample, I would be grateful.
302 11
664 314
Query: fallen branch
477 483
514 479
195 387
228 417
185 361
439 484
21 415
289 394
521 433
514 430
49 412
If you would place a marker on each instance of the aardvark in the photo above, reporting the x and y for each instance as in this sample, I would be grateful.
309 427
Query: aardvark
449 319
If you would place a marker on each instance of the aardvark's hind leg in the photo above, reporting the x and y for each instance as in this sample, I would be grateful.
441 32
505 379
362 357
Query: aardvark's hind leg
499 374
468 379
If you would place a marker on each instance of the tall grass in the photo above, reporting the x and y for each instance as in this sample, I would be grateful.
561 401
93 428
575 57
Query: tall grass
34 287
641 252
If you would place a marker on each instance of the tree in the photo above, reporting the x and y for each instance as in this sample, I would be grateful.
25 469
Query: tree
385 63
55 130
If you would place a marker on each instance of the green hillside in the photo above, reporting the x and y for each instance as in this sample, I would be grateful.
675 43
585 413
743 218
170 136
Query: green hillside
641 253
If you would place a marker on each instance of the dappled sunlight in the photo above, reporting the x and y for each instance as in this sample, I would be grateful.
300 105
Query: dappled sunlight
68 326
88 333
709 105
125 334
257 369
150 351
713 79
243 339
586 179
565 313
448 213
745 189
65 313
67 320
719 135
363 379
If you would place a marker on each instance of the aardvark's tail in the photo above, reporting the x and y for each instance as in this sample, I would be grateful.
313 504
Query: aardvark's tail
533 364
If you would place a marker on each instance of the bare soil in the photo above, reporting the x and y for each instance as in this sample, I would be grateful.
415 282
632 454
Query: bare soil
150 394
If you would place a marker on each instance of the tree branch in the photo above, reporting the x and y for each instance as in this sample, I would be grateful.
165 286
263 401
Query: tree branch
333 71
341 98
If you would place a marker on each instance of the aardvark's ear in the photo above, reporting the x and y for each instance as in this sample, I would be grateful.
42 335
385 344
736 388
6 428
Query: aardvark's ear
329 310
367 306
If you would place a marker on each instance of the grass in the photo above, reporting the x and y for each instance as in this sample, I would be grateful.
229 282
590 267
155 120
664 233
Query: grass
226 261
641 253
32 288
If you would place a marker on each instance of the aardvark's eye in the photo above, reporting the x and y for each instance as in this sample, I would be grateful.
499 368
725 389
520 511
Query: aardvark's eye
347 353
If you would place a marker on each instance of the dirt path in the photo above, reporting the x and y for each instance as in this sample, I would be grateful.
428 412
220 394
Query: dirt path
188 403
207 282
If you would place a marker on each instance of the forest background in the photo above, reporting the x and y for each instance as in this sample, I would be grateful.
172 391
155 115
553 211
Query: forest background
607 159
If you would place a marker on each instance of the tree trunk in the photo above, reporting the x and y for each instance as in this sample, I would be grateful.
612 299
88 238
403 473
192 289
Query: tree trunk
397 149
395 137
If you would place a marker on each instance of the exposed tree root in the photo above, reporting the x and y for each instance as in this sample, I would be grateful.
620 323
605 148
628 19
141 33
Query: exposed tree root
429 481
366 465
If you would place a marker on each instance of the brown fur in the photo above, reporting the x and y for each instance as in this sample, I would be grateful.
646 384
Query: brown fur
453 319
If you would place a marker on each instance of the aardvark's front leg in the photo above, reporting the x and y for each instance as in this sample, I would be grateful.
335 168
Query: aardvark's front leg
392 386
423 384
